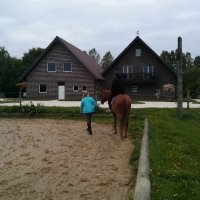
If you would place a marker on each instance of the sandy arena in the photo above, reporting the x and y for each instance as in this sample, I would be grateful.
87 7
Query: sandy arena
51 159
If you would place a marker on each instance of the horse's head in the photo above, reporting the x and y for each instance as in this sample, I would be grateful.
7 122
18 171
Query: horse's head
102 96
105 94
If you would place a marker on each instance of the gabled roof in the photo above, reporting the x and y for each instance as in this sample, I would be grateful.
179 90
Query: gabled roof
137 39
82 56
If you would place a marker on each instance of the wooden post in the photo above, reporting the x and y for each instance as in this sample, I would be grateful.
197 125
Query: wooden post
179 80
188 100
20 98
21 87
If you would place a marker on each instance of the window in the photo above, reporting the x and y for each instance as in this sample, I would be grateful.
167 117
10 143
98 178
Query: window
67 67
51 67
148 72
138 52
75 88
128 71
42 88
84 88
134 89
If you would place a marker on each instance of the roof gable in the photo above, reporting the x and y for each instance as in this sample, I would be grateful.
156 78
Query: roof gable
83 57
136 40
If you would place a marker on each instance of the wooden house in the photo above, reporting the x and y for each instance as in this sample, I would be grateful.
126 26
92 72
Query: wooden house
62 72
145 73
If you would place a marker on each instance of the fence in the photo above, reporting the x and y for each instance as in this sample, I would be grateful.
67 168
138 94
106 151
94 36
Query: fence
143 185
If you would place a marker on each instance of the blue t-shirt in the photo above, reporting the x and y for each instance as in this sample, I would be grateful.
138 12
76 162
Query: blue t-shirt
87 105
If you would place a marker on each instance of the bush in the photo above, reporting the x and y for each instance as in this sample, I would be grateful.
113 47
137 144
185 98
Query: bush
32 110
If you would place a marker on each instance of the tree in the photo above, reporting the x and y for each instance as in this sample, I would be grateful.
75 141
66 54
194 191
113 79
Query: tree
4 55
106 60
188 61
30 57
191 81
170 58
12 68
9 73
197 61
94 55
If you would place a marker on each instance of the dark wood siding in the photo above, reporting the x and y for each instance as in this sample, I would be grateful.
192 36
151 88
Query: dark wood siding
79 76
146 90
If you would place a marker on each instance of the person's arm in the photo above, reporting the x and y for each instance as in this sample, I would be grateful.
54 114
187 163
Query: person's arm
81 107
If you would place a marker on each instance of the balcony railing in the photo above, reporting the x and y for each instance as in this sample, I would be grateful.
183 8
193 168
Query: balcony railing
141 77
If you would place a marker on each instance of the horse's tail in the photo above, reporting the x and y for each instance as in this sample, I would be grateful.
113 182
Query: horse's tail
125 113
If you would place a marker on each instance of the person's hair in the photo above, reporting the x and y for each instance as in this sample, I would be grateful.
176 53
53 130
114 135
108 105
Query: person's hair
85 94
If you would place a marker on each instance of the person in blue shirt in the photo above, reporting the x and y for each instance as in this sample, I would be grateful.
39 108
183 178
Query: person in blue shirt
87 108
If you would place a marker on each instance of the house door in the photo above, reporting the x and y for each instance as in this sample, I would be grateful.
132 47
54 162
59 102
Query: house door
61 90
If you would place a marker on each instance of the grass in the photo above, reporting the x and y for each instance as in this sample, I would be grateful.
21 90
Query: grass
174 146
175 155
174 152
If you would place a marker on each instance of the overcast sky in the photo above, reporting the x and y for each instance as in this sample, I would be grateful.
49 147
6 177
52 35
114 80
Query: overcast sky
107 25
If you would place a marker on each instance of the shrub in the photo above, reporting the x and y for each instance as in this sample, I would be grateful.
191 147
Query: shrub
32 110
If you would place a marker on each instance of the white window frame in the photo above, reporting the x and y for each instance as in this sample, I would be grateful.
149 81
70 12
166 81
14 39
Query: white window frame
150 71
64 67
138 52
85 89
128 69
40 88
48 66
74 88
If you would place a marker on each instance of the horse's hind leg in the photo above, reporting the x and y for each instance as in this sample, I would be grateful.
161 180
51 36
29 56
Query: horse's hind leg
126 129
115 124
121 126
121 133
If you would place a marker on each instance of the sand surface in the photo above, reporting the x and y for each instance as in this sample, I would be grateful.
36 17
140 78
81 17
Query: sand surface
55 159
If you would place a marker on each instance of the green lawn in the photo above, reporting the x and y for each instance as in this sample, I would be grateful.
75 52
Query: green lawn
175 155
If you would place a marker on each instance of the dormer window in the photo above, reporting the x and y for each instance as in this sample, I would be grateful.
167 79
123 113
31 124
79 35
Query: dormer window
51 67
138 52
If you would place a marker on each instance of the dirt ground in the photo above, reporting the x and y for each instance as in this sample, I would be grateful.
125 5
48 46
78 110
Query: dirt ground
51 159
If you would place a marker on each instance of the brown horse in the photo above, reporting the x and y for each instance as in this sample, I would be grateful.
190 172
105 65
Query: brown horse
121 105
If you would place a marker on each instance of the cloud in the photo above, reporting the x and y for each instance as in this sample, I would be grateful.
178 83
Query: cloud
101 24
